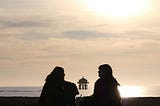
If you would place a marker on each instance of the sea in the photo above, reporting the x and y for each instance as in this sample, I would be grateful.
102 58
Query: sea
125 91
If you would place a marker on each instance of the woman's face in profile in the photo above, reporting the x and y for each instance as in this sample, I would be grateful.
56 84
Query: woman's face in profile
100 74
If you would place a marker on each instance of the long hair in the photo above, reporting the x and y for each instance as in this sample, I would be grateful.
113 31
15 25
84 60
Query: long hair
106 70
57 73
107 73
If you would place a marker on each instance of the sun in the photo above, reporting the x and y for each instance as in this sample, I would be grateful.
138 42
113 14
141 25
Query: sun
118 8
130 91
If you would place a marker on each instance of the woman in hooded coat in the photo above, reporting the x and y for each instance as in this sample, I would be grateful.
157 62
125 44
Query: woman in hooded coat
56 91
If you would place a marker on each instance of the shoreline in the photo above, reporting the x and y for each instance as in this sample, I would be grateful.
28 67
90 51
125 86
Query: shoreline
33 101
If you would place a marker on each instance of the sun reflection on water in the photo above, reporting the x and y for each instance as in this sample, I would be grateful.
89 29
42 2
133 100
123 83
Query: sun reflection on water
130 91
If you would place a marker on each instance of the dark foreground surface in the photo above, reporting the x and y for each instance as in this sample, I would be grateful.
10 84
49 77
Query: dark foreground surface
33 101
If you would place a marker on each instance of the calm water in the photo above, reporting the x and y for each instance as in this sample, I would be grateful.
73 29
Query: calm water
126 91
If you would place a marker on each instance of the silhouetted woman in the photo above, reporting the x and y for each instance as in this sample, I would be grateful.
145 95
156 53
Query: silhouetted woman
56 91
106 88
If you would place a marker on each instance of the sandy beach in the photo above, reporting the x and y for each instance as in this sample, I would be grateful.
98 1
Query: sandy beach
33 101
19 101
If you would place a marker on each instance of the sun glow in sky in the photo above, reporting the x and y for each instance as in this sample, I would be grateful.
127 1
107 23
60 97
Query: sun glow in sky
118 8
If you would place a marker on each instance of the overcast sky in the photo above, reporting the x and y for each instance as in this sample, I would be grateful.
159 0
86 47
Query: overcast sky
37 35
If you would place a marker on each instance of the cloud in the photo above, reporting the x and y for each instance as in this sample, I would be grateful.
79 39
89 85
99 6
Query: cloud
25 23
142 34
26 29
14 4
128 34
33 36
86 34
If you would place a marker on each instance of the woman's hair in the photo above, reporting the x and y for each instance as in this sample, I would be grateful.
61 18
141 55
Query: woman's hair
105 69
106 72
58 73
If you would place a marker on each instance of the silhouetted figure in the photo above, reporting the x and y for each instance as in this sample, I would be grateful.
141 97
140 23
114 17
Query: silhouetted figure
56 91
106 88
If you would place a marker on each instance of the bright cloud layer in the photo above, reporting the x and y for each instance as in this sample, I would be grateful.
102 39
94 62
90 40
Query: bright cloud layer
38 35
